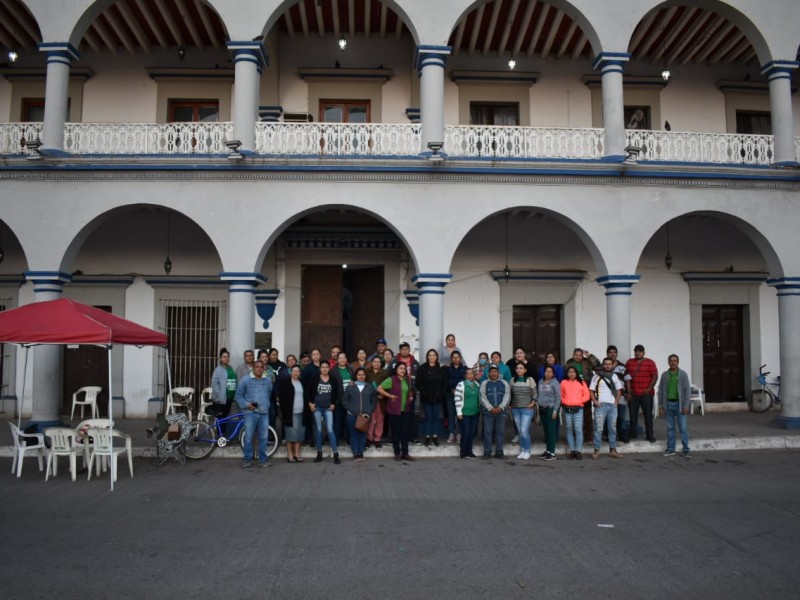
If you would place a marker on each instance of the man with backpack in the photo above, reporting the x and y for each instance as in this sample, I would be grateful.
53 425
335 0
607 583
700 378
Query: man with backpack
605 390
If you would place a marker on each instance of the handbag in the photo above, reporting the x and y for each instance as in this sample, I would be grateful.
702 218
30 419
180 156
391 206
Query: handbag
362 418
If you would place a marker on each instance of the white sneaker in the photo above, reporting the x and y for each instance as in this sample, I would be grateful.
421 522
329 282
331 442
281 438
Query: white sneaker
521 455
526 455
515 439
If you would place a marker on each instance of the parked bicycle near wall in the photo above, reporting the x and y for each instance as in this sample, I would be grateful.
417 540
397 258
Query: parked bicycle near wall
204 437
763 398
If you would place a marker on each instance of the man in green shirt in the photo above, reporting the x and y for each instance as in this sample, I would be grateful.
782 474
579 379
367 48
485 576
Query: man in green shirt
674 397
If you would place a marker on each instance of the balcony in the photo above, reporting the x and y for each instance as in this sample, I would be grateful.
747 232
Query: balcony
388 141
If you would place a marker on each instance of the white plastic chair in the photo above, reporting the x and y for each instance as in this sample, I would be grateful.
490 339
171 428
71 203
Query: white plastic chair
90 399
23 442
698 398
83 442
180 397
103 446
205 401
63 442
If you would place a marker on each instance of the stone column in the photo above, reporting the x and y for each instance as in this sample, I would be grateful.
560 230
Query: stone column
611 65
431 61
788 289
45 362
56 94
241 311
618 311
431 309
248 60
780 101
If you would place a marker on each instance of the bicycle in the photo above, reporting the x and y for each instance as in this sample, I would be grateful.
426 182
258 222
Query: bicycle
204 437
761 400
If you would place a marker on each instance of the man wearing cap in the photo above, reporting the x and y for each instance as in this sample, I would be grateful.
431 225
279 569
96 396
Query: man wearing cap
380 346
495 395
641 387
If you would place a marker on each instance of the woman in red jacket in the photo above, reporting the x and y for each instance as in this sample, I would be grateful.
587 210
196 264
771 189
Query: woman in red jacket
574 394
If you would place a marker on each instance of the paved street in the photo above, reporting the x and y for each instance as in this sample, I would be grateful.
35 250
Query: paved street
719 525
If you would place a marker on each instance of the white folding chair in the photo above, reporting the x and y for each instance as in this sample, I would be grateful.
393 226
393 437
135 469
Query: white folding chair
24 442
205 401
63 442
103 446
698 398
83 441
90 393
180 398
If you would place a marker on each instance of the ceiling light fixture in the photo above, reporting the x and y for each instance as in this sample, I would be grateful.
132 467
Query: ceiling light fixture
665 74
668 256
168 262
12 56
181 52
512 64
342 43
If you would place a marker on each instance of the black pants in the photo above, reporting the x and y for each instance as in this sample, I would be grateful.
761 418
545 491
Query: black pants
646 403
401 431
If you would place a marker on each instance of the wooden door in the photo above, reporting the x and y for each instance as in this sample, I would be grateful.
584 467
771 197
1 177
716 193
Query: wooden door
321 307
85 365
723 353
363 309
537 328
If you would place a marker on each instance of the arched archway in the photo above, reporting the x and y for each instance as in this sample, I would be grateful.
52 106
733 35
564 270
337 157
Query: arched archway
703 295
340 272
537 275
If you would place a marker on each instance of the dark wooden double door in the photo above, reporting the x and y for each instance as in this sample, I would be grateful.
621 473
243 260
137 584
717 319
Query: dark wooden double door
723 352
537 328
82 366
341 307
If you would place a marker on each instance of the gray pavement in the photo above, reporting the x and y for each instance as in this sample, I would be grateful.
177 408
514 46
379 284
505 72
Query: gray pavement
718 525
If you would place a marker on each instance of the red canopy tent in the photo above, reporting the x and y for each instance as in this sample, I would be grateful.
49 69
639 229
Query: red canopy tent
63 322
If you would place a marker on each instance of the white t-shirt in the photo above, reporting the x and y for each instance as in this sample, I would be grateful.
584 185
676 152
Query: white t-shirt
604 394
623 375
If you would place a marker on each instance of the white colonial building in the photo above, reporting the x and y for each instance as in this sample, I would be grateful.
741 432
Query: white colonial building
298 173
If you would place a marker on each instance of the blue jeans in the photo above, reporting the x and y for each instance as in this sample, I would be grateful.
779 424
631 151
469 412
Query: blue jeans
522 419
574 422
358 439
255 423
328 414
605 413
430 426
469 426
674 415
494 424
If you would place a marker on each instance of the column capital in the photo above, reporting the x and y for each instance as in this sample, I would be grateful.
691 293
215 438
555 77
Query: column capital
618 285
412 297
785 286
427 55
249 51
242 282
269 114
431 283
62 52
610 61
779 69
48 281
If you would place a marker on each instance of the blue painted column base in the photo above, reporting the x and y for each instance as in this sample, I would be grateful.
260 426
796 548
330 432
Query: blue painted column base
785 423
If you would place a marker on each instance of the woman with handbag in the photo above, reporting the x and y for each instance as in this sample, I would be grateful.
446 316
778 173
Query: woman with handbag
295 413
359 401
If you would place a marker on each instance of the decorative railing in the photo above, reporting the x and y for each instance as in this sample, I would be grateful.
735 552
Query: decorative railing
338 139
360 140
483 141
147 138
715 148
15 136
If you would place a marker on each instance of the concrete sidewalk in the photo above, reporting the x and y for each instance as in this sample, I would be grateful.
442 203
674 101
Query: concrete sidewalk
713 432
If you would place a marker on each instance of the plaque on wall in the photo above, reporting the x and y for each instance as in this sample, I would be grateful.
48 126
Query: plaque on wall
263 340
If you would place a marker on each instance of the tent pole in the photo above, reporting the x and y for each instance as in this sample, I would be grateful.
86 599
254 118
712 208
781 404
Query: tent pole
169 377
111 460
22 396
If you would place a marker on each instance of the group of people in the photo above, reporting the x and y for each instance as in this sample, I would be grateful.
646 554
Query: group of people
364 400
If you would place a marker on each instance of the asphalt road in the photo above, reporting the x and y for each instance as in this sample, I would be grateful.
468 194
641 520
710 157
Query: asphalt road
719 525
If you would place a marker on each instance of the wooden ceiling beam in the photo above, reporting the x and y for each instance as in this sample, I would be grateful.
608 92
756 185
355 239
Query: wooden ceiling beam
303 18
690 36
507 27
320 20
662 24
190 23
487 41
641 31
459 35
152 24
712 44
551 35
384 16
351 17
21 19
202 10
104 36
567 38
476 29
537 32
119 30
674 33
526 21
171 25
135 26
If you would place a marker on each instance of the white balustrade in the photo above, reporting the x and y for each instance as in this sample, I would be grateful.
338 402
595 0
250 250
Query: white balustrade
338 139
355 140
486 141
147 138
13 137
692 147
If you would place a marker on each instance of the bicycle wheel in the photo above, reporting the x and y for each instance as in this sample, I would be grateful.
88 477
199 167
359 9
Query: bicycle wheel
201 441
760 400
272 441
